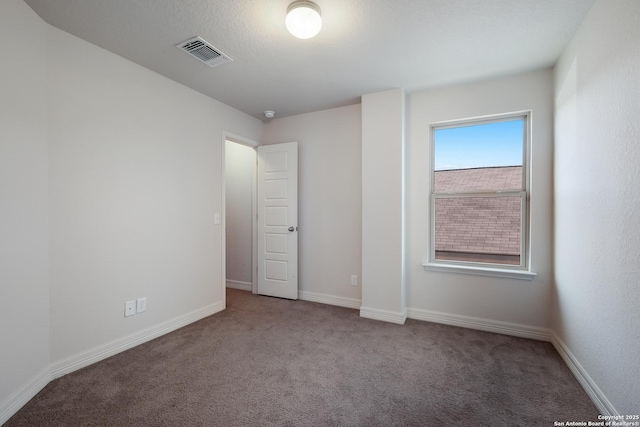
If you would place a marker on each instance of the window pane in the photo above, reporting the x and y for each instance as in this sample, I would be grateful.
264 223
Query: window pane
478 229
486 157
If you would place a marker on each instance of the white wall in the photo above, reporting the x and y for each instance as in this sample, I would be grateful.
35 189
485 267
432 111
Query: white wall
330 197
240 165
24 239
383 142
492 299
596 310
135 180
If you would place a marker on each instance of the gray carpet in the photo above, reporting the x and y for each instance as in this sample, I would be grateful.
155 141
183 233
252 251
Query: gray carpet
271 362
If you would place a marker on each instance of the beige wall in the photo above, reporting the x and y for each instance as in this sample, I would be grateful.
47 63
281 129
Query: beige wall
24 206
329 191
240 175
511 301
136 177
596 299
383 280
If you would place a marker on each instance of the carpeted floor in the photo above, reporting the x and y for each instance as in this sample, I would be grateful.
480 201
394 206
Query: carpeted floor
271 362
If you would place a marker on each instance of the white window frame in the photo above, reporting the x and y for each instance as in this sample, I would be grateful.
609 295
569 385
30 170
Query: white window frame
521 271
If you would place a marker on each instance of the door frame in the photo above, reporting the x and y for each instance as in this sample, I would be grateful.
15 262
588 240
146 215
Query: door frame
238 139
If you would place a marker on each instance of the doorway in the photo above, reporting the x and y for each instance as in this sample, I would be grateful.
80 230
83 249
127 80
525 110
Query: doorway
240 196
260 177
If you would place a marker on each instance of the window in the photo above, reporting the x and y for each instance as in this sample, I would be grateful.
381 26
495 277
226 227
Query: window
479 192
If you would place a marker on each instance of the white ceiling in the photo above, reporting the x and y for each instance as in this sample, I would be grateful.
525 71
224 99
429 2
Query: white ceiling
365 45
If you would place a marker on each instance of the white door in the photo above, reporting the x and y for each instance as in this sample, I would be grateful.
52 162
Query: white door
278 220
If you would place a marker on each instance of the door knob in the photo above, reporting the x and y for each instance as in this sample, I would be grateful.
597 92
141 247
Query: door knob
291 228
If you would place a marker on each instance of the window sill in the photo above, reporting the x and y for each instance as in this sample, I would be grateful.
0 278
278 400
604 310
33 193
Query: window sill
480 271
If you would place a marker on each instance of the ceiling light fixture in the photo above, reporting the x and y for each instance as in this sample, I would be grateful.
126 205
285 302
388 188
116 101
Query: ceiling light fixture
303 19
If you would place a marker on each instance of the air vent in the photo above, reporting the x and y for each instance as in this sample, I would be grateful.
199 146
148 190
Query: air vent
203 51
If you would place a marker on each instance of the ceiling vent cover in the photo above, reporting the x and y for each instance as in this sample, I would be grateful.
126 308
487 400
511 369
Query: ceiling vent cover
203 51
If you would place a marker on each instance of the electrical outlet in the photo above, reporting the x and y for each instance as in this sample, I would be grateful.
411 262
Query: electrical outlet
129 308
142 305
354 280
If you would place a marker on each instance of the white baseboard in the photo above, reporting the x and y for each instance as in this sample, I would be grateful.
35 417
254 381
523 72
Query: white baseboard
19 398
55 370
383 315
505 328
93 355
243 286
590 387
524 331
24 394
329 299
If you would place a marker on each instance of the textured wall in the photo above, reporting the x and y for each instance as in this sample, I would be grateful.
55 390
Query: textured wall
597 202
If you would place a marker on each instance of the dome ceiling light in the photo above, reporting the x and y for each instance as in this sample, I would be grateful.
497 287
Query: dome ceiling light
303 19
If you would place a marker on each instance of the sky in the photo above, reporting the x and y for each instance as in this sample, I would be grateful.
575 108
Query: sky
491 144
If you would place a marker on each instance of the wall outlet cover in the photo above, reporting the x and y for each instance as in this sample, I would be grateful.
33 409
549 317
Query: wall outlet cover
141 305
129 308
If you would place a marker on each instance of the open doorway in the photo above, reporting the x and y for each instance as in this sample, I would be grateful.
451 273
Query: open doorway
261 178
240 196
